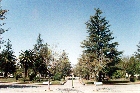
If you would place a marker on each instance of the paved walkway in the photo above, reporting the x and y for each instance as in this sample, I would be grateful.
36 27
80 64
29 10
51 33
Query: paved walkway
78 88
76 84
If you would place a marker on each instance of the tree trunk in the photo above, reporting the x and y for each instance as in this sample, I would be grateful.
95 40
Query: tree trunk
100 76
26 72
95 76
6 74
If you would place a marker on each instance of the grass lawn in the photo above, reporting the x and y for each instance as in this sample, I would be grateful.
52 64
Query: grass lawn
20 81
4 80
114 81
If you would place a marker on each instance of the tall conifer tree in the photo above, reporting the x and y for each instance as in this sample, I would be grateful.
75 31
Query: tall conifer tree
8 60
99 46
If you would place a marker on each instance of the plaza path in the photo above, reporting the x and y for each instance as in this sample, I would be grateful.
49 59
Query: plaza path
78 88
66 88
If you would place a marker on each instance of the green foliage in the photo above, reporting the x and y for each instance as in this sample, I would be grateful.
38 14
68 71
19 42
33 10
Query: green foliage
138 77
2 17
137 53
27 60
36 59
57 76
132 78
98 47
8 60
133 66
38 46
137 60
7 55
32 77
130 65
42 60
62 67
116 82
6 80
84 68
118 74
92 82
39 60
57 82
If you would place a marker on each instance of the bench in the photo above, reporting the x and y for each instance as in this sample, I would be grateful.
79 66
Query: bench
98 83
46 83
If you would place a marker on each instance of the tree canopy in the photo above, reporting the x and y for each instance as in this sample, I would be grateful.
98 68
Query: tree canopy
8 59
98 46
2 17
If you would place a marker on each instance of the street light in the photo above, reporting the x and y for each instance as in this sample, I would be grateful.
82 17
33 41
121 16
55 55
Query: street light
48 80
72 80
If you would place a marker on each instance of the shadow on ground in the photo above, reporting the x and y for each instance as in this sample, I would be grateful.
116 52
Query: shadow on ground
16 86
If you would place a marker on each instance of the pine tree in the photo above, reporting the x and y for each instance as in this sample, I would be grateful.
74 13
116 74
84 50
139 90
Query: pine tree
8 59
137 53
43 57
98 46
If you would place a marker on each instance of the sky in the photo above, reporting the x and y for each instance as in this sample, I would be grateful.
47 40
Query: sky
61 23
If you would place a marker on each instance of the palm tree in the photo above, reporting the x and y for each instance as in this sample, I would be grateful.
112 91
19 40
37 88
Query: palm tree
27 60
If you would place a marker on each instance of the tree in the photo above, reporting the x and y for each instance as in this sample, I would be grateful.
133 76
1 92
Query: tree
98 46
129 65
43 56
137 53
2 17
133 66
137 58
84 67
123 65
8 60
63 66
27 60
135 62
38 46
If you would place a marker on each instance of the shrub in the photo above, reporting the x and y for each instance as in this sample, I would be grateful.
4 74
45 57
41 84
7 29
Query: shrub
117 74
57 76
32 77
138 77
132 78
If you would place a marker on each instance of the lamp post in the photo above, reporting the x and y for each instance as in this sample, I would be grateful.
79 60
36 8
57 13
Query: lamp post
48 80
72 81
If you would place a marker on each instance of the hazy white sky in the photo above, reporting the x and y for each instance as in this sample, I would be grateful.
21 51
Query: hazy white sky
62 23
